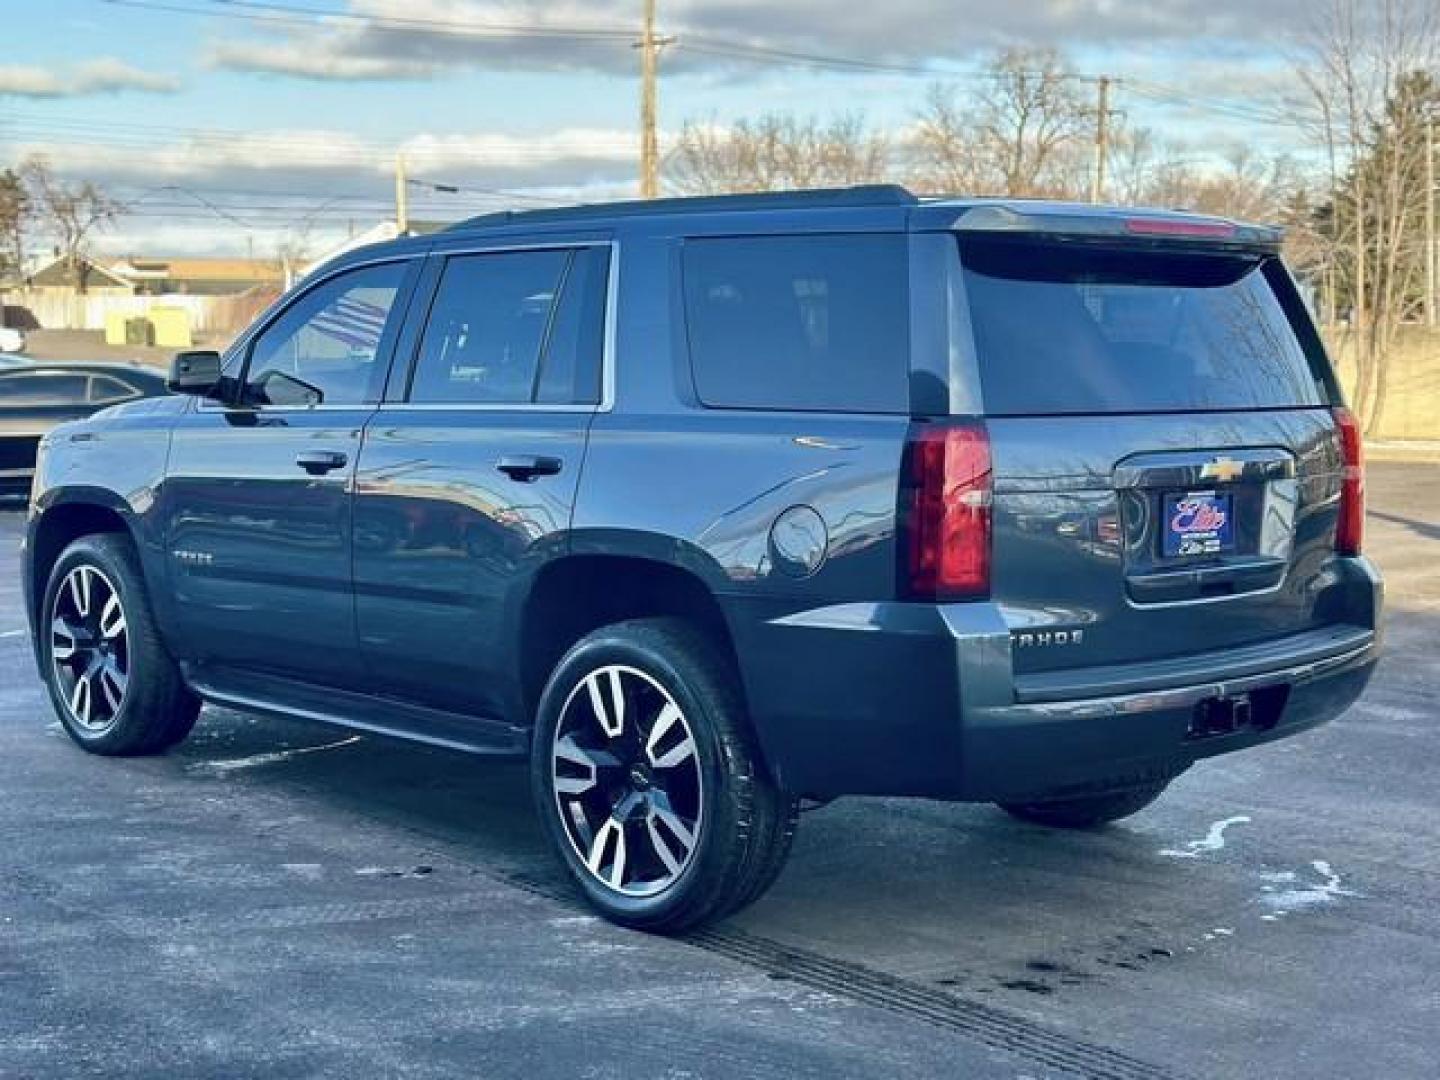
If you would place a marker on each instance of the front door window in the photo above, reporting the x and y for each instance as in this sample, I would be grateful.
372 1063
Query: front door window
324 349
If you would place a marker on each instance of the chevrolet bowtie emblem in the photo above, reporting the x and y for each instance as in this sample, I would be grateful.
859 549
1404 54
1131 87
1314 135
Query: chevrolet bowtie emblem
1222 469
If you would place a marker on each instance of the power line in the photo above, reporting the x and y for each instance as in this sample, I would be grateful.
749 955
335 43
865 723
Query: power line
489 193
123 132
697 42
613 33
288 15
1173 95
705 46
271 193
713 46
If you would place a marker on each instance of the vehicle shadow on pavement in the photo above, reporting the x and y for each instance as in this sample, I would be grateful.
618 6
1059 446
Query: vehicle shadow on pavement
482 805
858 866
1427 530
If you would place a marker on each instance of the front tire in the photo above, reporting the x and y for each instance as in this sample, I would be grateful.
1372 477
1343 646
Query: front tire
648 780
1089 811
114 686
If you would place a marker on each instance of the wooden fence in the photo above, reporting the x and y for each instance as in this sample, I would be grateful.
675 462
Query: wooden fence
65 309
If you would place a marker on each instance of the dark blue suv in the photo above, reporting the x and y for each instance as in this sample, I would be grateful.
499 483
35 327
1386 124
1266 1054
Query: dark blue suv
713 505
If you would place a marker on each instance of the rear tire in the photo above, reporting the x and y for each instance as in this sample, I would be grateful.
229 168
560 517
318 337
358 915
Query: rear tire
1088 811
648 780
114 686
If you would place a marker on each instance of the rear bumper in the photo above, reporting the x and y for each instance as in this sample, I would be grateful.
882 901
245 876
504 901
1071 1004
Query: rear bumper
915 699
1071 747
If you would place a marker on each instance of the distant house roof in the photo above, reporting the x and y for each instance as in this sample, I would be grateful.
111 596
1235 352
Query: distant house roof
198 276
76 272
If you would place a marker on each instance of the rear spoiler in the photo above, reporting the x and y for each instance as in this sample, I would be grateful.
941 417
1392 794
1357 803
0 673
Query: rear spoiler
1148 227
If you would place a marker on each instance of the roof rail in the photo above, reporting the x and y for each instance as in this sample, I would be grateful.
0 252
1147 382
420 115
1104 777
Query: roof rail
813 198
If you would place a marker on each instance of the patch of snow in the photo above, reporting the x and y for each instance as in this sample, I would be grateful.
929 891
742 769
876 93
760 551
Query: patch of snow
1213 840
222 768
1301 897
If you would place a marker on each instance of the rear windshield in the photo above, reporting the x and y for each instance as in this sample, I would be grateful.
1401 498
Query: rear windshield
1072 329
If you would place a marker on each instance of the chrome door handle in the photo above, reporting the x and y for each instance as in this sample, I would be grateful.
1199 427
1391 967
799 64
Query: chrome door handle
526 467
319 462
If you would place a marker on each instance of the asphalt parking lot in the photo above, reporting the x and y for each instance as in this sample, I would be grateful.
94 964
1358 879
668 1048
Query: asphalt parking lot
279 900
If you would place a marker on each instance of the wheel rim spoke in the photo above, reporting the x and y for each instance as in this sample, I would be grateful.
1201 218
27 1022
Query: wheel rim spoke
112 685
89 650
667 832
81 697
80 590
62 639
610 835
568 751
112 619
608 701
668 724
626 780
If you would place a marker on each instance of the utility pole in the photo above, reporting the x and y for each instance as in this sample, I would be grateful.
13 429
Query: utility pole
1102 139
402 196
1430 221
650 47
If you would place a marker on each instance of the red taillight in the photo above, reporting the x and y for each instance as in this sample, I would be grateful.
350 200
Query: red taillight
1159 226
945 507
1350 529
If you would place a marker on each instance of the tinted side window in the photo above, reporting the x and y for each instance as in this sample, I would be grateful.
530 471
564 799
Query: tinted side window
104 388
799 322
26 389
570 370
487 328
326 346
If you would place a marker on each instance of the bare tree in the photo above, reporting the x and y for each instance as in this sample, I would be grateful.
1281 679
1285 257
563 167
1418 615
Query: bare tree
946 150
1359 63
1249 186
295 249
14 214
70 213
1025 132
775 152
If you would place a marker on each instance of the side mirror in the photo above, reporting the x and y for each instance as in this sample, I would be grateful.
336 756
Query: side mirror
196 372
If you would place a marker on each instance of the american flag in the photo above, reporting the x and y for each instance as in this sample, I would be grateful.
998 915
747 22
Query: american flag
357 323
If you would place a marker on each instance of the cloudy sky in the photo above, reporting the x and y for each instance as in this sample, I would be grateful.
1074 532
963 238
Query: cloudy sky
231 125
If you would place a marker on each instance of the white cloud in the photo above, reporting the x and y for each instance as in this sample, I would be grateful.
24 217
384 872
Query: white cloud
104 75
312 158
304 59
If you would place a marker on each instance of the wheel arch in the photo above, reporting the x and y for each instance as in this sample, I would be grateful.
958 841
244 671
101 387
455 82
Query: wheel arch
60 523
577 593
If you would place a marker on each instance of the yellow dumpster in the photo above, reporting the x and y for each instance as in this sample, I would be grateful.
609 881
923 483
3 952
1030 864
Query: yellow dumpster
115 327
172 327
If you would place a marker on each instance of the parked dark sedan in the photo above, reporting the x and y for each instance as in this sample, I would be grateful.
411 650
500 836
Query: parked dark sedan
34 397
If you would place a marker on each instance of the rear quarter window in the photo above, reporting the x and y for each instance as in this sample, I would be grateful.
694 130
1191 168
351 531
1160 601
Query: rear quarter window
807 323
1071 329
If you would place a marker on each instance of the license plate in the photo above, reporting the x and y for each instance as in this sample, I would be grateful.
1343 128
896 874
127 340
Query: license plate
1197 523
